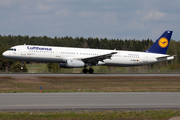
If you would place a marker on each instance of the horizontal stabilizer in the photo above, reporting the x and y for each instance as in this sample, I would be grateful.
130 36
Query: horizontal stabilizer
166 56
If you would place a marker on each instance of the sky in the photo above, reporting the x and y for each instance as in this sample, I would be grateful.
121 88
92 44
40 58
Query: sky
112 19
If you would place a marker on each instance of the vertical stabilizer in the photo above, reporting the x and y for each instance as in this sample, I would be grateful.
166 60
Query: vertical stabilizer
161 45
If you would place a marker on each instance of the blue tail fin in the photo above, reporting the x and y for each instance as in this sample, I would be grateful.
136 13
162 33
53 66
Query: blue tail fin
161 45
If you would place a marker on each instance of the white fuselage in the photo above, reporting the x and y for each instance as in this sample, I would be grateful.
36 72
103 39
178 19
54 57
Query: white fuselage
51 54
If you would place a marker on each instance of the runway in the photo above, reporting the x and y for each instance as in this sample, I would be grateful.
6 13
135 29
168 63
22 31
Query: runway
96 74
89 101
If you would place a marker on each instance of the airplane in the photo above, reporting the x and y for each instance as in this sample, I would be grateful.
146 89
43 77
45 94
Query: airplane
69 57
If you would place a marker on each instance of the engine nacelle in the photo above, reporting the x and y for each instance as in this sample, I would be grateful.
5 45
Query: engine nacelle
72 64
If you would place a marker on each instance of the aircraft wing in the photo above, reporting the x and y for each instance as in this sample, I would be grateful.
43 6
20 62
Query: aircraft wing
95 59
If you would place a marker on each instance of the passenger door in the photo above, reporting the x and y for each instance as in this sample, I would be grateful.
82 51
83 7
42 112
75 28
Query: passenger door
145 58
23 50
57 52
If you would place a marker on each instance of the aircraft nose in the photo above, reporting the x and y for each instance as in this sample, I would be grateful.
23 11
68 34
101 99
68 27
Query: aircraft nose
5 54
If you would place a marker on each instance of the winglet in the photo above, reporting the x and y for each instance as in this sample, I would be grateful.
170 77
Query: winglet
161 45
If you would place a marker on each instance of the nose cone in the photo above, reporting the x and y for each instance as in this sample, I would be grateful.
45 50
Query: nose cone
5 54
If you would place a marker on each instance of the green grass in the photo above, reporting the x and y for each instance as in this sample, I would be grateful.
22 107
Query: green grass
87 115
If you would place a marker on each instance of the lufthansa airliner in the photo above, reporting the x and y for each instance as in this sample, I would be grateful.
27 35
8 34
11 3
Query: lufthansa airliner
69 57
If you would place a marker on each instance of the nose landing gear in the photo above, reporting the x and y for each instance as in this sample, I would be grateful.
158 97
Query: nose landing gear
22 64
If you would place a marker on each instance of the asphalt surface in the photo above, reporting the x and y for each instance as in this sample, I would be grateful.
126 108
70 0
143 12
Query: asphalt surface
95 74
89 101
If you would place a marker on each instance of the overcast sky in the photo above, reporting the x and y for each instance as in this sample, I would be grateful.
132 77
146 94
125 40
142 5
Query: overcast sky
122 19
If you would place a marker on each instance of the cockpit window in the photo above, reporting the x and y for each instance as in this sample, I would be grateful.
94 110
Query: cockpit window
11 49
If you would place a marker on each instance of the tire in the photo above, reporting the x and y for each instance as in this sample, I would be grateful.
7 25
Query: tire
91 71
85 71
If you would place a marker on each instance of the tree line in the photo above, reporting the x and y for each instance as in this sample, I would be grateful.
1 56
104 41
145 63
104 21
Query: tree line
98 43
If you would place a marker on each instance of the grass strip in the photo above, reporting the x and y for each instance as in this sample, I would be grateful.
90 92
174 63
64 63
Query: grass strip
87 115
89 84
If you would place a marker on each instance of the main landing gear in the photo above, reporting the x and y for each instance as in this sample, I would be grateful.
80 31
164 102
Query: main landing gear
91 71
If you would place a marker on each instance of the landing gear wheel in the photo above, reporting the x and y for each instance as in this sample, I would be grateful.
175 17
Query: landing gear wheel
85 70
91 71
22 64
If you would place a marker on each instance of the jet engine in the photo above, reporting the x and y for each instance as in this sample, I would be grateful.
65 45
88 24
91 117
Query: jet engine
72 64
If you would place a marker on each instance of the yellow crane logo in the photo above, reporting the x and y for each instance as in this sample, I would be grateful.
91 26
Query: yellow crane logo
163 42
